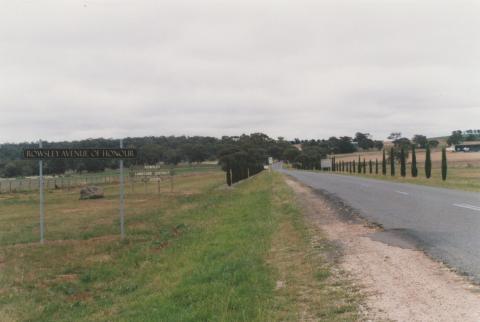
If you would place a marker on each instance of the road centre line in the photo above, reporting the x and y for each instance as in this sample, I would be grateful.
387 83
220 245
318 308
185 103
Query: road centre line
402 192
467 206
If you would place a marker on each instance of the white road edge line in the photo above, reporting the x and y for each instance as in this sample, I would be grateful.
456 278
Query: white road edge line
467 206
402 192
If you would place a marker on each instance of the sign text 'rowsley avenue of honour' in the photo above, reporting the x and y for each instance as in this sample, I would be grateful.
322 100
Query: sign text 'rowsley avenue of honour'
79 153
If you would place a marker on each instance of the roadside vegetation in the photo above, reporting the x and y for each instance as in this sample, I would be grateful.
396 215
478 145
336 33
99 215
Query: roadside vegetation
204 252
463 169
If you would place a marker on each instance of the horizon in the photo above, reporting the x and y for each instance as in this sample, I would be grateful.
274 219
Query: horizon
217 137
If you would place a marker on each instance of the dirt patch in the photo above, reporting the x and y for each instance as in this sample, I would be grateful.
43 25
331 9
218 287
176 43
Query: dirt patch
399 282
66 278
98 258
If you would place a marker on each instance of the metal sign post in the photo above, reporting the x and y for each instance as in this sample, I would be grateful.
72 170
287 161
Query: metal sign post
82 153
42 201
122 197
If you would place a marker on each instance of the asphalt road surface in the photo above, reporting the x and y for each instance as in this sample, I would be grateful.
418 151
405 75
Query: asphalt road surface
443 222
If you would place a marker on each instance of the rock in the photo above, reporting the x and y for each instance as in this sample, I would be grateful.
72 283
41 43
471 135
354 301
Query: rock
91 192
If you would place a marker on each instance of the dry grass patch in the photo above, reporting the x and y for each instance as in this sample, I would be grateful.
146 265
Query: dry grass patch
308 287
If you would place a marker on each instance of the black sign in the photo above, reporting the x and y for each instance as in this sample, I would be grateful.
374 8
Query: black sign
79 153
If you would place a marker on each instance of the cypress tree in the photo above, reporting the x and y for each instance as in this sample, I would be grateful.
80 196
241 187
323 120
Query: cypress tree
384 164
414 162
333 163
359 165
376 166
392 163
370 166
353 166
364 166
403 167
350 166
428 163
229 178
444 164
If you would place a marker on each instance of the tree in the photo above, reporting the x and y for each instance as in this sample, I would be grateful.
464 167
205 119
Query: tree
392 163
353 166
444 164
376 166
471 137
455 138
420 140
195 152
399 145
290 154
12 170
433 143
428 163
344 145
384 164
359 165
414 162
370 166
364 166
150 153
172 157
378 144
403 168
364 140
394 136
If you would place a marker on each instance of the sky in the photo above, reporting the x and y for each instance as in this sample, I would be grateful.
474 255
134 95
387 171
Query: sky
309 69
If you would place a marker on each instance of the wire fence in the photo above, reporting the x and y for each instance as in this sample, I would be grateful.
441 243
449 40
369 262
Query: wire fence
61 182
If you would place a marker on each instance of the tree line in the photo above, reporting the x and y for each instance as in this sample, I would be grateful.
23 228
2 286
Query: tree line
172 150
361 165
239 156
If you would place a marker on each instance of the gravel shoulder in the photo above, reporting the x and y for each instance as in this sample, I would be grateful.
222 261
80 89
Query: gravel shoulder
399 282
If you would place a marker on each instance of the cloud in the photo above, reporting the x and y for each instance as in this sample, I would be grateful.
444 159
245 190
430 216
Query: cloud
76 69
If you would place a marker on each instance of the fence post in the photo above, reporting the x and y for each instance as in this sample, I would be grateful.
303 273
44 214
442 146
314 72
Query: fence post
122 197
42 202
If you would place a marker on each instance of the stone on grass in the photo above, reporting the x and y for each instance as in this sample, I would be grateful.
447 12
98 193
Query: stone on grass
91 192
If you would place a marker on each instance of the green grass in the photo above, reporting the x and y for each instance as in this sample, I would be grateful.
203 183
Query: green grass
203 252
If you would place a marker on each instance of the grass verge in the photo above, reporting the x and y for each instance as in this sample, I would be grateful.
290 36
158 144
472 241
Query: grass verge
202 253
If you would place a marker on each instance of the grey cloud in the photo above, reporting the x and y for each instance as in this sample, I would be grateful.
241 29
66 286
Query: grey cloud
75 69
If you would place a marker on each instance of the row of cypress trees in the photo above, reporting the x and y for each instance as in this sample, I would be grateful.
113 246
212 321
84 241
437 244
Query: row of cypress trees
360 166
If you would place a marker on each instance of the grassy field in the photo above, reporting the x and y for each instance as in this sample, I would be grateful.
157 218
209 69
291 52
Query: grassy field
204 252
98 178
463 170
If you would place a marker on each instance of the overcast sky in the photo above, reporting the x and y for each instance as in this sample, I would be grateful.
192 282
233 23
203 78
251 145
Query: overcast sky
310 69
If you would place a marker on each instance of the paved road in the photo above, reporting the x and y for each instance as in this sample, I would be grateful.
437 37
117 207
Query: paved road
443 222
